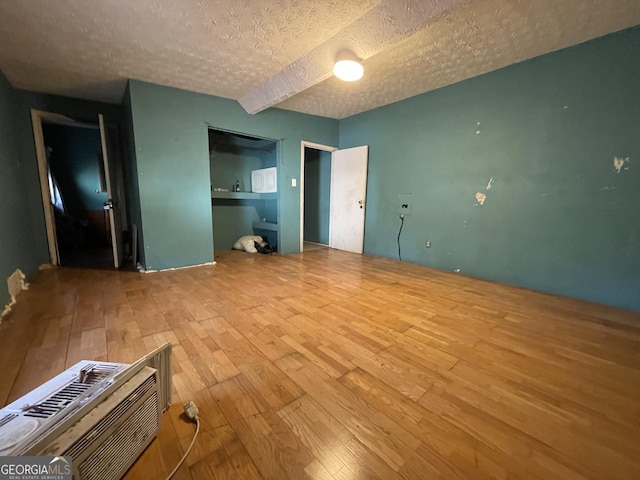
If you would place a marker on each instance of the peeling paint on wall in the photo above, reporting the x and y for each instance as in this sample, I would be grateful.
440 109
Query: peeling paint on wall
619 164
16 284
481 197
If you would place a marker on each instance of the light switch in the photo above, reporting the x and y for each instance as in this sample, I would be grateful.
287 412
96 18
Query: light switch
294 182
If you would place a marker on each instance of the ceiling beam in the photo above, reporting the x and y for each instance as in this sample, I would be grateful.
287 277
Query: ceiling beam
384 25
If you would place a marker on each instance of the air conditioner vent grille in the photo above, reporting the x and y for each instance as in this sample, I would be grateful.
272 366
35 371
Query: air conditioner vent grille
109 461
7 418
113 416
71 392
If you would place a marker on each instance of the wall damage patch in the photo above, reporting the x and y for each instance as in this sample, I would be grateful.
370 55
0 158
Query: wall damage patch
16 284
481 197
489 183
619 164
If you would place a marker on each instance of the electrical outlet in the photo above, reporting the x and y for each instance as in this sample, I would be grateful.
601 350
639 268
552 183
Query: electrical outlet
428 244
404 204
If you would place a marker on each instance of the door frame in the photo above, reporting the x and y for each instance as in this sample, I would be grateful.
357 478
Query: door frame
37 117
316 146
115 202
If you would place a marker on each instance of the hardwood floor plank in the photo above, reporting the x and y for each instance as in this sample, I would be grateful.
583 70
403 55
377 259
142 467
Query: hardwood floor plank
343 366
274 386
316 471
41 365
331 443
238 398
372 427
236 466
273 447
269 342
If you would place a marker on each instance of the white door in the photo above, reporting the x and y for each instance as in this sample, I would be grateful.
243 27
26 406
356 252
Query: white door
348 198
114 203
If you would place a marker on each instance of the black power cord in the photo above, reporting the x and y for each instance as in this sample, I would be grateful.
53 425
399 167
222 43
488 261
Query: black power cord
399 232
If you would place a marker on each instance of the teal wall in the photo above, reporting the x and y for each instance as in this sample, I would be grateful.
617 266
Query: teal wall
132 189
80 110
171 145
558 217
317 191
23 239
18 248
232 219
231 163
74 162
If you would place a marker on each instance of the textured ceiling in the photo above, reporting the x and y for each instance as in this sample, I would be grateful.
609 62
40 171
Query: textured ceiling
280 52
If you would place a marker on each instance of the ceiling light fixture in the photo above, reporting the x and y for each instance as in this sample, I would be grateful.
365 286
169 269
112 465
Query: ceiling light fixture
348 66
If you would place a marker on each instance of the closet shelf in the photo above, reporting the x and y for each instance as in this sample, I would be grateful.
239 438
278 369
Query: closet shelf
265 226
236 195
244 195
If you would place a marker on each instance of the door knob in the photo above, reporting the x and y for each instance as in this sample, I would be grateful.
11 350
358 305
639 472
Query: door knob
108 205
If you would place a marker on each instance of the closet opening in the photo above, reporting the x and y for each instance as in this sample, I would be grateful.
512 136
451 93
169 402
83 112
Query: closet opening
244 189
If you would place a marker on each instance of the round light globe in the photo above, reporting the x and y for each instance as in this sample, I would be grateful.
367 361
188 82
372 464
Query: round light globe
348 70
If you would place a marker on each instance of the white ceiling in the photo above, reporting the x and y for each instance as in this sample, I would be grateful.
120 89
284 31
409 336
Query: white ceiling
280 52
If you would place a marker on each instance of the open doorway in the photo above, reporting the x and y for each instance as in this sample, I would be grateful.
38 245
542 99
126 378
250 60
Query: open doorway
316 198
81 190
333 180
78 190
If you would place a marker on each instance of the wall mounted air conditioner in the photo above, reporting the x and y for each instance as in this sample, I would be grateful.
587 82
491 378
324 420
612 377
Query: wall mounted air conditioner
101 414
264 180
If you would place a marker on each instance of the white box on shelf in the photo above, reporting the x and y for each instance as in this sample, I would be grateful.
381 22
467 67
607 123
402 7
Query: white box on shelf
264 180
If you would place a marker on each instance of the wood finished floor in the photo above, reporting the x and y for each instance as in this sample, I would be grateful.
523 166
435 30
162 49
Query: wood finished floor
330 365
